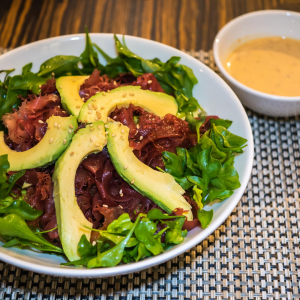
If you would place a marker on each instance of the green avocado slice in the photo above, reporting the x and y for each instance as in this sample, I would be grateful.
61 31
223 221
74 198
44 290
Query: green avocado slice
160 187
68 88
57 138
102 104
70 219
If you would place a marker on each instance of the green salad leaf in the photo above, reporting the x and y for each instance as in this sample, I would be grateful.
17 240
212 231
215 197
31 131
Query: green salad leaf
29 81
26 69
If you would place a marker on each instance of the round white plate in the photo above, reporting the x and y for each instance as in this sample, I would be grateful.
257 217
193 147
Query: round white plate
212 93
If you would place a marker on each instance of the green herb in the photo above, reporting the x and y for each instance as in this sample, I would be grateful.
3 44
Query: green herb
205 217
13 226
175 235
26 69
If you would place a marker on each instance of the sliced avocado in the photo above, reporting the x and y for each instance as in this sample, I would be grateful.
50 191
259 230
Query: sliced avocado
160 187
68 88
57 138
70 219
102 104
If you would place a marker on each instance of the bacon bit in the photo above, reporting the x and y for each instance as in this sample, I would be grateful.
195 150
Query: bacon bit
71 126
72 153
40 121
65 141
51 141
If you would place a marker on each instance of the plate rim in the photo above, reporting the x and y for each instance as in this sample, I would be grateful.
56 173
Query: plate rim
174 252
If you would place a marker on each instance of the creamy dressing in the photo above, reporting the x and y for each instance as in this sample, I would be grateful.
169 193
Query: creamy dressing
270 65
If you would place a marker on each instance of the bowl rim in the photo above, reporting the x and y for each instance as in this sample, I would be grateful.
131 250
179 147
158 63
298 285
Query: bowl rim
176 251
232 24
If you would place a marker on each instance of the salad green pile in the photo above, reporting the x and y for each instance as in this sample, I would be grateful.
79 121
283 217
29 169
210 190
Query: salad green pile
206 171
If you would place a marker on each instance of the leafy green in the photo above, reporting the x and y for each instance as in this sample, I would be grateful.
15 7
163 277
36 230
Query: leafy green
172 163
197 196
4 166
13 226
144 232
156 214
29 81
85 248
18 207
205 217
116 239
216 194
89 57
26 69
113 256
221 122
142 252
121 225
175 235
60 65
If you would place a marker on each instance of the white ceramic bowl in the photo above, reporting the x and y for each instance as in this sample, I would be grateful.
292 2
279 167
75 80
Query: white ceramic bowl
251 26
211 91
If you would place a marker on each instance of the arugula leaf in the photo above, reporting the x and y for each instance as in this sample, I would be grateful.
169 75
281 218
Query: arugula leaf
173 164
80 262
142 252
216 194
182 157
175 235
205 217
227 141
116 239
209 166
13 226
228 177
121 225
221 122
197 196
207 142
123 49
199 182
156 214
144 232
29 81
89 57
85 248
26 69
113 256
60 65
18 207
195 124
191 165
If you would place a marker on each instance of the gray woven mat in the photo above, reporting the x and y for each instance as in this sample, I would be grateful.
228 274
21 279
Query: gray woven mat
254 254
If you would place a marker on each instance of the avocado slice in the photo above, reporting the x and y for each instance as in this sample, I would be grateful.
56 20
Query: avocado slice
70 219
68 88
160 187
102 104
57 138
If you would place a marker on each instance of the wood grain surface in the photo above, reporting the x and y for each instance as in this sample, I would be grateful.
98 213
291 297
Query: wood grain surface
184 24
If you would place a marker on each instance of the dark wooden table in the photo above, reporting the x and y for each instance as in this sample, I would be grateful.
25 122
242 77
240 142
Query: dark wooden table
184 24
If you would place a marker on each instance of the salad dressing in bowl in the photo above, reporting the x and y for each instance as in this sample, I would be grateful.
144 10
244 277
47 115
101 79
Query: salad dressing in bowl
270 65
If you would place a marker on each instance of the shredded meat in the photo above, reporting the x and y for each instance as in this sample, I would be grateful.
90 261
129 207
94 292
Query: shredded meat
27 125
96 83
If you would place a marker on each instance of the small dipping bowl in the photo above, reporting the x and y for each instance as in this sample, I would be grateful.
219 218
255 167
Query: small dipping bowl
268 23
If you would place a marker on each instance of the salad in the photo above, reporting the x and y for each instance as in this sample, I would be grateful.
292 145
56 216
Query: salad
109 164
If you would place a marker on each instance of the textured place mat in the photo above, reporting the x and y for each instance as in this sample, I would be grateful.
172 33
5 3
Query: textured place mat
254 254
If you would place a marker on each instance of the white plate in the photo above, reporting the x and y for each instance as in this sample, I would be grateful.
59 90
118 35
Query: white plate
212 93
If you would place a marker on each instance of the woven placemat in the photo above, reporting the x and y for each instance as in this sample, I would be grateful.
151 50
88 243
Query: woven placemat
254 254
